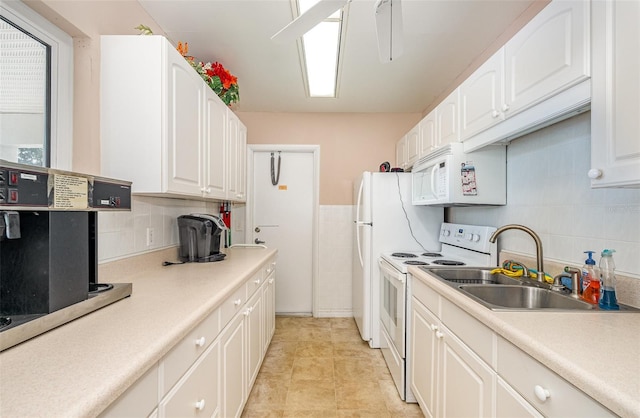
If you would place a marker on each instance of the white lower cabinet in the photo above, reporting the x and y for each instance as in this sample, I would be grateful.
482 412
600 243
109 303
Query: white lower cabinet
462 375
196 394
232 367
444 370
269 302
140 400
253 329
509 403
210 372
542 388
460 368
424 357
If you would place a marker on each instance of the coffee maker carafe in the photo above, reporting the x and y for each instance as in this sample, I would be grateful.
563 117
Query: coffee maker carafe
199 236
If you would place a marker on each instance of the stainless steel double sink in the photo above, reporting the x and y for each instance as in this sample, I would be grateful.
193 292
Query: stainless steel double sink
501 292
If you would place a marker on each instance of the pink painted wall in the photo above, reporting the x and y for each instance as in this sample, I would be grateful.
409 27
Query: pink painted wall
349 142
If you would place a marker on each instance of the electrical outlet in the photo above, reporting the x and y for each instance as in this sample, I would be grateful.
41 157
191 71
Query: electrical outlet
150 237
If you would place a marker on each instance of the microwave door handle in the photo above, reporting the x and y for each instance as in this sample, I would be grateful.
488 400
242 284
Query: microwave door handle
433 180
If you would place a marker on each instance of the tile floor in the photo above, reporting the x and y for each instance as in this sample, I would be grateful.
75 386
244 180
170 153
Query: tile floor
320 367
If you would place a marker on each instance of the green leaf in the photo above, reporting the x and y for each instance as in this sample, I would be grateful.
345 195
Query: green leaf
144 30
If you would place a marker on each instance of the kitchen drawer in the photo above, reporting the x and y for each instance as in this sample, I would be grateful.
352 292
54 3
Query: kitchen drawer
527 376
427 296
196 394
139 400
254 283
476 335
232 305
176 363
269 268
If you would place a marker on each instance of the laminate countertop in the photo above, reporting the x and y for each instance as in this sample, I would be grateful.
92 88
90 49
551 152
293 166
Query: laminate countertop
80 368
598 352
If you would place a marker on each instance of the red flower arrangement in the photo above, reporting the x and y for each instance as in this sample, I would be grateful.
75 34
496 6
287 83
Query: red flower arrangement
218 78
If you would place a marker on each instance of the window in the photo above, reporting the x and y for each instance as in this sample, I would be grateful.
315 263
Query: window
36 79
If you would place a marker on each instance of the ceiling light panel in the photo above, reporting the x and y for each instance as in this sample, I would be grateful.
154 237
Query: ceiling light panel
321 48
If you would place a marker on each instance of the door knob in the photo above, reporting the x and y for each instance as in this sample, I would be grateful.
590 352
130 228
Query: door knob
257 241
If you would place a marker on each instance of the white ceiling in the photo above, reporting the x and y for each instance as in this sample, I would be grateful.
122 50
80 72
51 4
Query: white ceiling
441 39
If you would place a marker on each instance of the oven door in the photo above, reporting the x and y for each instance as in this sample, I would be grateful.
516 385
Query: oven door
392 304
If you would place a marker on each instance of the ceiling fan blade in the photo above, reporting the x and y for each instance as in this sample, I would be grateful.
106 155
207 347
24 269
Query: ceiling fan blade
308 20
388 15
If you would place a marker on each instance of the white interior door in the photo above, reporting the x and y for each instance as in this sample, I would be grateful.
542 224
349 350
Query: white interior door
283 219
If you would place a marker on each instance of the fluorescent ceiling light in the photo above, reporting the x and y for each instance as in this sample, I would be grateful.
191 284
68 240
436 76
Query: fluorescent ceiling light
320 51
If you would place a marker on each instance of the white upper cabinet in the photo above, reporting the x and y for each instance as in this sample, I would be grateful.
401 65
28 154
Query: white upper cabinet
447 122
427 128
482 97
615 107
161 126
402 158
236 157
215 143
413 145
544 72
184 144
548 55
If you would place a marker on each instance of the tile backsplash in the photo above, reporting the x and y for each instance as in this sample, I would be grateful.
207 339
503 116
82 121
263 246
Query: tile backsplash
123 234
548 190
335 252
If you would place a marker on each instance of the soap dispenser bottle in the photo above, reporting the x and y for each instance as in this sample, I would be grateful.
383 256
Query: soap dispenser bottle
607 282
590 280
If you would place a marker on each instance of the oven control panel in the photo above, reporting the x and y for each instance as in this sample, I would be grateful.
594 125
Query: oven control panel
472 237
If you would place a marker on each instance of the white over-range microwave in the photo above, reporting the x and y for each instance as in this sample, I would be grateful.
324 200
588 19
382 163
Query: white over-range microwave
450 177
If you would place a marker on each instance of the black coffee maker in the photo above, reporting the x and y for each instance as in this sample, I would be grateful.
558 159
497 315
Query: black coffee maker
49 245
199 236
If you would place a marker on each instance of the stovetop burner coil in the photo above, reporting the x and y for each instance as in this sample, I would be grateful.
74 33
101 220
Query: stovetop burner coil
448 263
432 254
403 255
416 263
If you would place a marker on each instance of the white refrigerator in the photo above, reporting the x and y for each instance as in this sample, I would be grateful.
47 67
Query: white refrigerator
385 220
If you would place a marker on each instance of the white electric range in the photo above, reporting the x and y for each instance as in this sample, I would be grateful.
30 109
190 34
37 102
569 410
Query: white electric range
462 245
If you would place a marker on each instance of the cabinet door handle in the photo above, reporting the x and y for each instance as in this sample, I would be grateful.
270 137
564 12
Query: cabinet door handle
200 405
594 173
495 114
541 393
271 280
257 281
439 335
434 327
200 342
505 107
237 302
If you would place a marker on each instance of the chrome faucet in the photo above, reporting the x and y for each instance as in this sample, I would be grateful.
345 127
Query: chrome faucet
536 238
574 275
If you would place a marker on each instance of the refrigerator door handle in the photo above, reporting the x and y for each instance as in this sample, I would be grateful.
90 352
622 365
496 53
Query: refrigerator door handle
358 222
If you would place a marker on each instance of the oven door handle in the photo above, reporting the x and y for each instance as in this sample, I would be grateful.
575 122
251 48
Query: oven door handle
390 271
